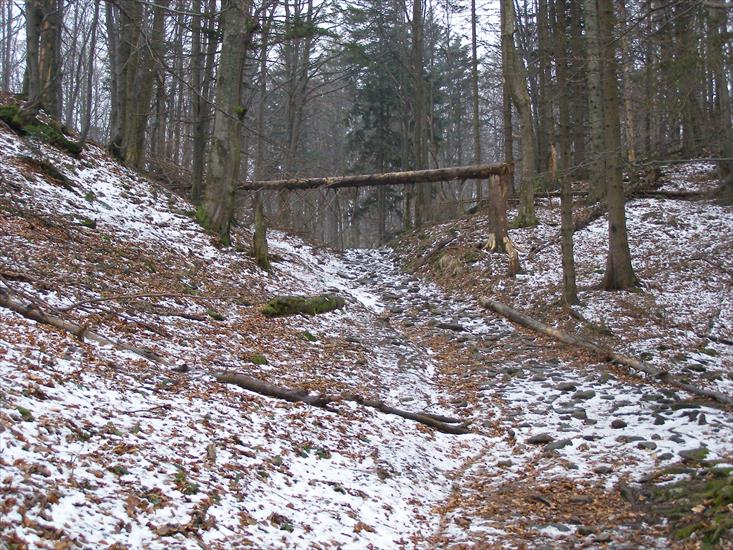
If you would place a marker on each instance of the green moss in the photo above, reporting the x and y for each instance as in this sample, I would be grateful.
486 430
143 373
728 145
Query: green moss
88 222
293 305
215 315
25 414
90 196
308 337
699 505
25 123
258 359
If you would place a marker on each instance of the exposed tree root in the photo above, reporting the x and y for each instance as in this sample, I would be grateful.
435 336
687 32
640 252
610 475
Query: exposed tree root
607 354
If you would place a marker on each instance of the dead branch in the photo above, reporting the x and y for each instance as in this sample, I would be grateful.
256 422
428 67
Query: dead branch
127 297
33 312
441 423
607 354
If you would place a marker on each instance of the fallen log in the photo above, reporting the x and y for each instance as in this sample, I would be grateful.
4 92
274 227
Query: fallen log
438 422
477 171
281 306
605 353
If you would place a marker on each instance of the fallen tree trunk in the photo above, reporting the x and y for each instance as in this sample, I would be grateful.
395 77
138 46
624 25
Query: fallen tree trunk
308 305
607 354
478 171
438 422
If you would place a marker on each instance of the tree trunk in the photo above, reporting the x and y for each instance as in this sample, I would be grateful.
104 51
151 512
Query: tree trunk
223 168
474 97
34 20
627 61
419 112
49 67
579 88
619 272
482 171
517 81
87 118
595 100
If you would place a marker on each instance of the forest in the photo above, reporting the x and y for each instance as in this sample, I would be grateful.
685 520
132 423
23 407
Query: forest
367 274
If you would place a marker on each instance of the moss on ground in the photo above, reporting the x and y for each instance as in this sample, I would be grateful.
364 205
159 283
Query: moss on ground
699 508
26 123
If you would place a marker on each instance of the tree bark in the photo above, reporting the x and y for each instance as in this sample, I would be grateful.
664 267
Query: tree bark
390 178
474 100
517 81
421 201
619 272
224 157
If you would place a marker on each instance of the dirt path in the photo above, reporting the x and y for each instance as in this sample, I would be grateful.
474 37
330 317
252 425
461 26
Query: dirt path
577 431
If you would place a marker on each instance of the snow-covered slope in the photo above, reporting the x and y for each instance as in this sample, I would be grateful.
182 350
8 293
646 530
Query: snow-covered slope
100 447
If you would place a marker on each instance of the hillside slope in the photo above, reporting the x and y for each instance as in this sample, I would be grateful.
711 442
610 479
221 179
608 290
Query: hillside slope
100 447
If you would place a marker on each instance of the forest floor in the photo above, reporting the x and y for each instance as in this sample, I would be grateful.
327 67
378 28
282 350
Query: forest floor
100 447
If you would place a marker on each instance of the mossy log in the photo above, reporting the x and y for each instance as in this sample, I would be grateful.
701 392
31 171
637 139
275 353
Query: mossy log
310 305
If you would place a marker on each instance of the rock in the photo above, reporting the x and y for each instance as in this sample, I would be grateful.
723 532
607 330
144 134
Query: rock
585 531
540 439
602 537
504 463
617 424
659 420
579 414
666 456
629 438
538 378
693 455
451 326
559 444
566 386
603 469
646 445
702 420
584 395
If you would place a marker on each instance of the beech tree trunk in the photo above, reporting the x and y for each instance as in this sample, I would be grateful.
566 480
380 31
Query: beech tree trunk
223 174
474 100
517 81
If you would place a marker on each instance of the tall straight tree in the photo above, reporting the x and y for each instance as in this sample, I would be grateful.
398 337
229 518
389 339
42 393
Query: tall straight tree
619 272
225 154
420 149
474 99
516 76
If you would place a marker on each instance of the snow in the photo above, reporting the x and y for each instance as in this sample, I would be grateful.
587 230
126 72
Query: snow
99 446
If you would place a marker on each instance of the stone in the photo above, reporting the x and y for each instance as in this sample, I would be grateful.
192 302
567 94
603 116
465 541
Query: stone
646 445
629 438
504 463
659 420
666 456
566 386
617 424
702 419
540 439
603 469
559 444
451 326
584 395
579 414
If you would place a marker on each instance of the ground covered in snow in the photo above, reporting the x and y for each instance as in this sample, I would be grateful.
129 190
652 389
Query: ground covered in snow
100 447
